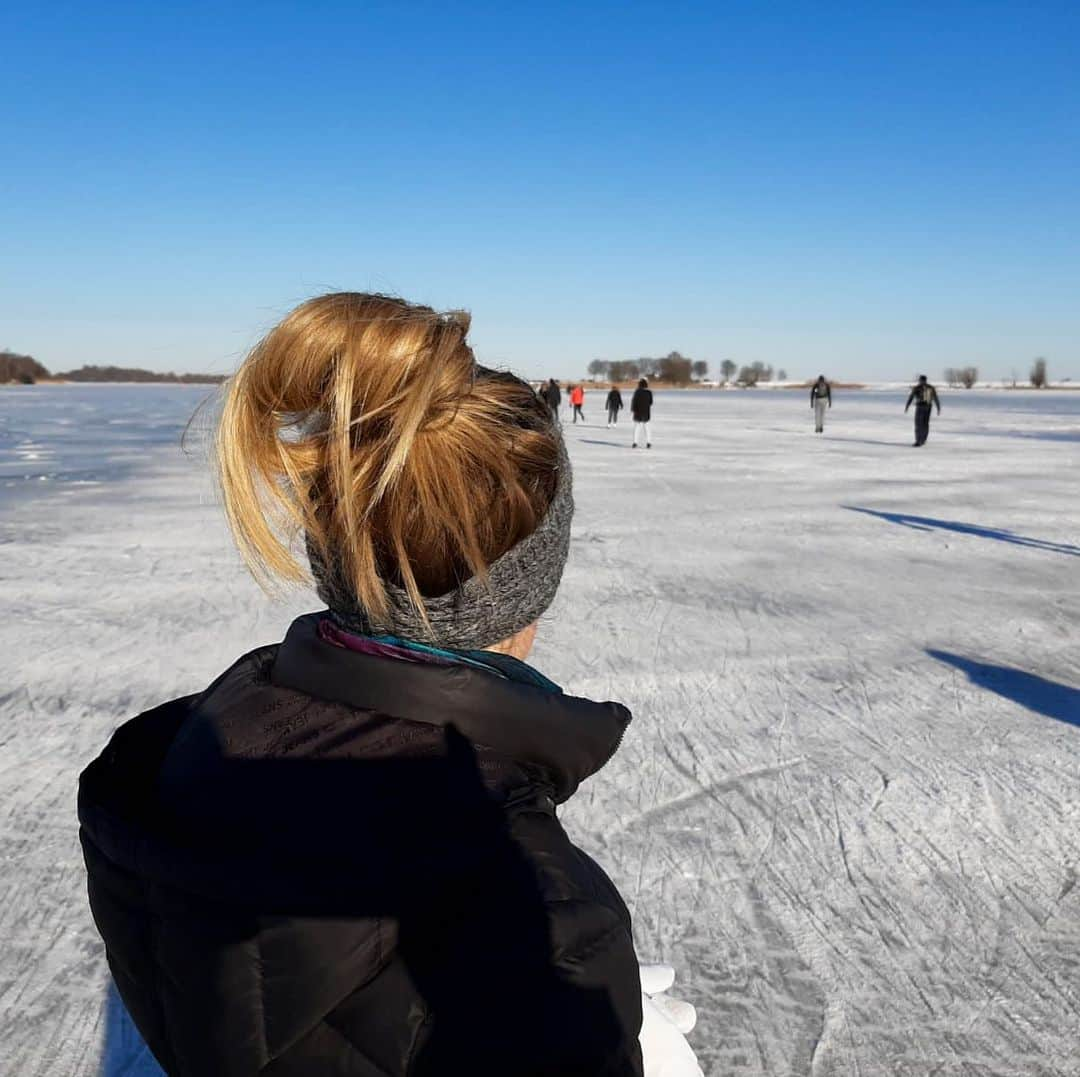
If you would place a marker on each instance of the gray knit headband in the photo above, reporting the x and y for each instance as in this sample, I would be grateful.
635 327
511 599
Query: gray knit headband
520 586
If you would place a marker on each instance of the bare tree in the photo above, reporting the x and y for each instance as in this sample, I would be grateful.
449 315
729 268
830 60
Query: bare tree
950 376
757 371
782 376
969 376
728 368
675 368
598 368
1038 373
701 369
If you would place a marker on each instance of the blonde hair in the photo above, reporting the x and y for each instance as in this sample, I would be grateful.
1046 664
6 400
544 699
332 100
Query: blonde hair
364 423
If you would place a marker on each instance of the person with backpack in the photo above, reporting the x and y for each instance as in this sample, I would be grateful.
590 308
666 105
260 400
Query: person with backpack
924 396
614 406
344 855
577 399
641 413
820 397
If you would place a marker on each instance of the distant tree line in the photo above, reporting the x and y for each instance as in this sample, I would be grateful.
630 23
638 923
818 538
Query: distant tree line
967 376
673 368
123 373
676 369
27 370
20 368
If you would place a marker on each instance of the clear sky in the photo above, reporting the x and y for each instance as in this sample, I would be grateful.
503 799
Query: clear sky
868 189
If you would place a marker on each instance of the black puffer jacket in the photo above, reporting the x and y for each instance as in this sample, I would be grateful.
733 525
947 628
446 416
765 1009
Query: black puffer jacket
336 864
641 405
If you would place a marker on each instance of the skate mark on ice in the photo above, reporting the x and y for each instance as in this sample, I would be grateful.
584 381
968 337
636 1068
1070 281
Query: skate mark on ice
885 780
774 814
651 816
660 632
1067 886
1037 694
871 913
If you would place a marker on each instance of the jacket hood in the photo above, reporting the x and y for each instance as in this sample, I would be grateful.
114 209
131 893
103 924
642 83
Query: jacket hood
566 737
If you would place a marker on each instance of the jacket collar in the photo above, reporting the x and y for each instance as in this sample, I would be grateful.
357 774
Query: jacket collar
567 737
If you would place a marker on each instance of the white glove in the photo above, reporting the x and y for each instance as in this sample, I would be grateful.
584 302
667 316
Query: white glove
665 1023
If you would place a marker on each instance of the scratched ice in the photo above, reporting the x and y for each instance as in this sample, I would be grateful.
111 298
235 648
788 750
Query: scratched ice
848 810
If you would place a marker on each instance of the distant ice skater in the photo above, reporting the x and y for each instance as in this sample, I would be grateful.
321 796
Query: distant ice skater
614 405
641 412
820 398
925 397
577 398
553 396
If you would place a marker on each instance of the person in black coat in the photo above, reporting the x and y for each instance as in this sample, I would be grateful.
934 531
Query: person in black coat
614 405
329 860
553 396
344 856
925 397
641 411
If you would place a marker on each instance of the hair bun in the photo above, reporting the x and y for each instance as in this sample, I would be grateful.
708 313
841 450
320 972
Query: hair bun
365 423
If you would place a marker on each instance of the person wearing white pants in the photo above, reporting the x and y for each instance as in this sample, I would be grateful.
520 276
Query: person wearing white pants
641 410
820 399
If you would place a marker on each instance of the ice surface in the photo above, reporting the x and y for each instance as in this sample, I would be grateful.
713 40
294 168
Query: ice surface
848 810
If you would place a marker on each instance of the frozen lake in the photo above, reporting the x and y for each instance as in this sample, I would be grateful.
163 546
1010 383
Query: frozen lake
848 809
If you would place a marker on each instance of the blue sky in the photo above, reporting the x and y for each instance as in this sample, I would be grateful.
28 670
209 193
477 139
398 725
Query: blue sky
866 189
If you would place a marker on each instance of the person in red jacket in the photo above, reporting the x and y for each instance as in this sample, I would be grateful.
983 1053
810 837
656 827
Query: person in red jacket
577 398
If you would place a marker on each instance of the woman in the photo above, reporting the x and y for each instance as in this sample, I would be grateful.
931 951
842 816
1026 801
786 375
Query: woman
614 405
343 856
641 412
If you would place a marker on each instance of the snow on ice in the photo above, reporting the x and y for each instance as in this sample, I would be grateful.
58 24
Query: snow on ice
848 809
